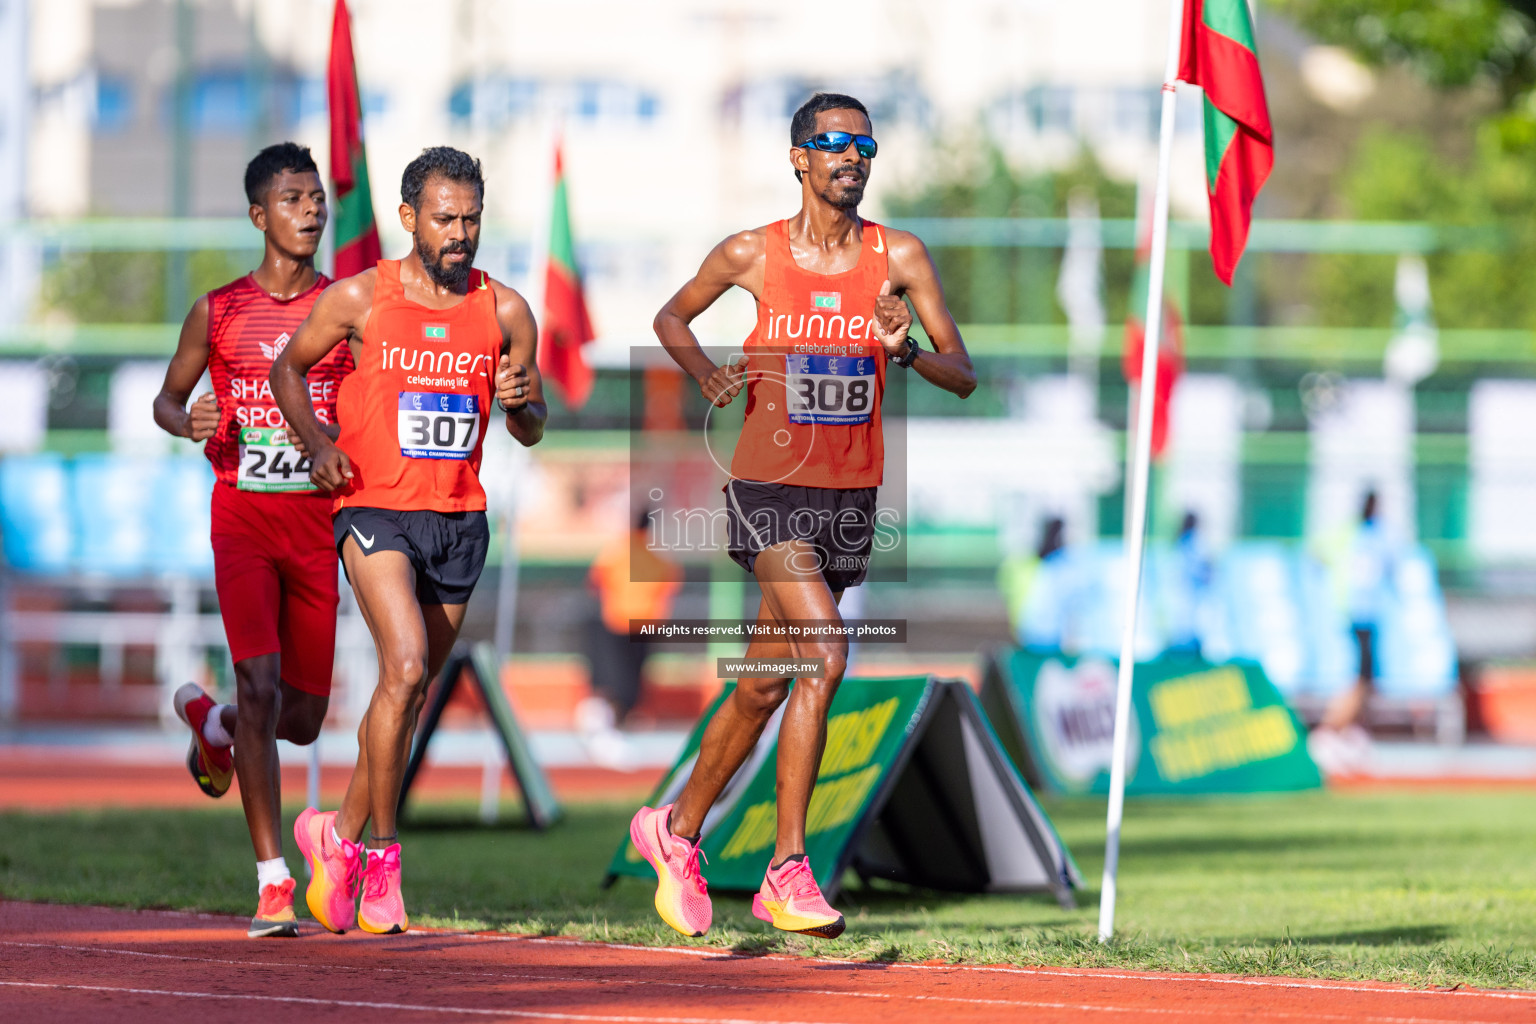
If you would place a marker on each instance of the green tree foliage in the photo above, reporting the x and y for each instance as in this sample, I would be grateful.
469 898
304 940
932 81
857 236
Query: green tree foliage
1452 43
1013 285
129 287
1397 177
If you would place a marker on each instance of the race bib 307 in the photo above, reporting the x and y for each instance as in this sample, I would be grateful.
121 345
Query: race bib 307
437 425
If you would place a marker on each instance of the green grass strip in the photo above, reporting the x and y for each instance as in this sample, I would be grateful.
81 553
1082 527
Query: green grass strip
1426 889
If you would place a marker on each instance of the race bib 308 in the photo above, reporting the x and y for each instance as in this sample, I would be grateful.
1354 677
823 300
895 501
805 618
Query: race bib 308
830 389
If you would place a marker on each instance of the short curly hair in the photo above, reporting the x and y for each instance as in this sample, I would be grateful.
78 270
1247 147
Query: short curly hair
439 162
803 125
272 161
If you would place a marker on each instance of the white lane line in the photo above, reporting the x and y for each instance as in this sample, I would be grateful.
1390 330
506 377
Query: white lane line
1325 986
411 1007
754 990
631 1019
1060 972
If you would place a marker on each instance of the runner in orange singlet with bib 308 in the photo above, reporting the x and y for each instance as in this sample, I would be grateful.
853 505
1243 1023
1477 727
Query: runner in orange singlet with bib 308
274 563
801 499
436 343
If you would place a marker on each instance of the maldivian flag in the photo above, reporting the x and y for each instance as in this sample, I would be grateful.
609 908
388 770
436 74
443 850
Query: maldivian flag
356 234
1170 348
1218 55
566 326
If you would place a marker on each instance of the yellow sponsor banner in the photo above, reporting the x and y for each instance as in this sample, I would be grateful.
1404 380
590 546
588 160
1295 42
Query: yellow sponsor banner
853 737
834 803
1226 742
1187 699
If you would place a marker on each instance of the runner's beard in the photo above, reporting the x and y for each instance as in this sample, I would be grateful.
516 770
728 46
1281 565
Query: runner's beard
845 197
454 276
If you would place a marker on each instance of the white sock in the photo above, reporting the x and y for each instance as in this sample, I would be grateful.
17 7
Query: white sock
214 732
336 836
270 872
376 853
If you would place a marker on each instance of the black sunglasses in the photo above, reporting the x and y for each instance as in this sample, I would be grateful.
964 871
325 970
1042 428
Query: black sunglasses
836 142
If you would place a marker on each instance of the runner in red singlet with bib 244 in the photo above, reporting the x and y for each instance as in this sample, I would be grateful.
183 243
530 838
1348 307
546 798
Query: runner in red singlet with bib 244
274 563
800 501
436 343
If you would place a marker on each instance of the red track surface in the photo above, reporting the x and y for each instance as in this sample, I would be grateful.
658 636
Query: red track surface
84 963
48 779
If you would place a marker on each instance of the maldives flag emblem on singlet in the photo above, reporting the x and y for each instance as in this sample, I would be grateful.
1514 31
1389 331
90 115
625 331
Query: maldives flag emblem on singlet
832 302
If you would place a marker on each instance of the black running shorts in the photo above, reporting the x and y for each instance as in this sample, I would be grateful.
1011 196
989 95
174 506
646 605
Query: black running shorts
838 523
447 549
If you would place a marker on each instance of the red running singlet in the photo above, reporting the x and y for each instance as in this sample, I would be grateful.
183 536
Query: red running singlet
813 398
247 328
413 416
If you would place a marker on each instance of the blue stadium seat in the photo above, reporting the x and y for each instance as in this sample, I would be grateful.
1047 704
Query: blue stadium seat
1259 595
1416 654
1101 612
115 502
182 518
1334 654
35 517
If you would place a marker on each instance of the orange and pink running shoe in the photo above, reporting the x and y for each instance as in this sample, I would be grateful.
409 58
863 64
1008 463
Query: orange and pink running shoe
682 895
274 913
791 901
382 908
335 870
212 767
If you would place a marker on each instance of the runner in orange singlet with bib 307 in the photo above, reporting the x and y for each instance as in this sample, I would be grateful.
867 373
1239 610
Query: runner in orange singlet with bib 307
831 322
436 343
273 561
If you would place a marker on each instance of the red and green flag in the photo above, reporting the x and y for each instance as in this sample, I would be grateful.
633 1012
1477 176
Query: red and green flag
1218 55
356 234
566 325
1170 348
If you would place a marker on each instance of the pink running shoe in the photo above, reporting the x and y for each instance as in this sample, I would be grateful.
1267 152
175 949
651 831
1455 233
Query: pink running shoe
791 900
335 870
382 909
682 895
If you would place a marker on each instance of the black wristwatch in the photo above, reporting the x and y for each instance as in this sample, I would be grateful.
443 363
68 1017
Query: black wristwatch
908 355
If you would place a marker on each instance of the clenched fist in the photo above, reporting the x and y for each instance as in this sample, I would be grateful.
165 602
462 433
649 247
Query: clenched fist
203 417
330 468
892 320
511 384
724 384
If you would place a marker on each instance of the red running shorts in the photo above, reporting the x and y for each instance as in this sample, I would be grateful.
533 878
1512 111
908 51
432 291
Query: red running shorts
274 565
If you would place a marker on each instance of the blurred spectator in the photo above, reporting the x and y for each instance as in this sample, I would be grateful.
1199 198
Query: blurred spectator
1360 562
1038 590
1187 589
631 582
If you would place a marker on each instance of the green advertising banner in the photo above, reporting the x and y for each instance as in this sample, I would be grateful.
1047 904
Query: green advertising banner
1196 727
914 787
866 729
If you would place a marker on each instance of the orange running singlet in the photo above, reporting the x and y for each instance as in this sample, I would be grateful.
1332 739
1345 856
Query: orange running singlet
813 399
413 415
247 328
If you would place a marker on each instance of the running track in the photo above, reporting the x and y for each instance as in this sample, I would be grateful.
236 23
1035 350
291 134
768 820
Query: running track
82 963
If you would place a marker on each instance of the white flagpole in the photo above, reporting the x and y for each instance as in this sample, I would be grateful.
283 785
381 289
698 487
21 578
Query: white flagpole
1136 529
